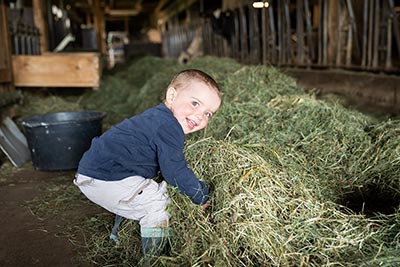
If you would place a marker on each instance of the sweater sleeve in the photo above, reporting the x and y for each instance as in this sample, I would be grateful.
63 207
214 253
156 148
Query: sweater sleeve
173 165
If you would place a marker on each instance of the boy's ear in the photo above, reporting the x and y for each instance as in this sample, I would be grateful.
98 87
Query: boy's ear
170 95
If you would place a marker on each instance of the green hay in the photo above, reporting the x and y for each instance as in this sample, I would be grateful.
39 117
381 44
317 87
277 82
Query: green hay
279 161
118 94
261 217
34 104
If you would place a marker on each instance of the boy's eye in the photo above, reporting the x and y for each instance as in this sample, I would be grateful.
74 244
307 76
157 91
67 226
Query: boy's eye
208 115
195 104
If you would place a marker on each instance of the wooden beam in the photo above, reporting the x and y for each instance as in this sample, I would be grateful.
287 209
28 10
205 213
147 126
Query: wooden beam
57 70
121 12
175 8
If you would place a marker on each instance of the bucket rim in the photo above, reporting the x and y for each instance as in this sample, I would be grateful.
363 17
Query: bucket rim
100 115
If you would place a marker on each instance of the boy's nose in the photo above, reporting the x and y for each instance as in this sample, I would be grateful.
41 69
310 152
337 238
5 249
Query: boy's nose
199 116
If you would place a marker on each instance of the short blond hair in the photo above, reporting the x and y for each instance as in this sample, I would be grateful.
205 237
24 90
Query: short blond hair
183 77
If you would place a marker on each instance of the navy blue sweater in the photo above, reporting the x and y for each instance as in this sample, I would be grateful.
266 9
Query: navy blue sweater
144 145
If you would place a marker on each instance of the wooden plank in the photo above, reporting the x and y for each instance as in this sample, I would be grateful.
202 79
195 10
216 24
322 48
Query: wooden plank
57 70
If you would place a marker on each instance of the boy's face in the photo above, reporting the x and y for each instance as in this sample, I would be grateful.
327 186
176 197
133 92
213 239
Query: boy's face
193 106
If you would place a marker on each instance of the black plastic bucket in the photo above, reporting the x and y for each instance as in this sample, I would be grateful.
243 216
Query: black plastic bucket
57 141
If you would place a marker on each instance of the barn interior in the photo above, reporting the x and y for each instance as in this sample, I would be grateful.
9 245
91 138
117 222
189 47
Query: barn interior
303 155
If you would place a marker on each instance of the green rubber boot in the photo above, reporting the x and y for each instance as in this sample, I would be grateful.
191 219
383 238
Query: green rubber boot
154 242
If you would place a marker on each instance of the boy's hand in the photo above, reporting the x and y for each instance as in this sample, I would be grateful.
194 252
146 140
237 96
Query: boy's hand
205 205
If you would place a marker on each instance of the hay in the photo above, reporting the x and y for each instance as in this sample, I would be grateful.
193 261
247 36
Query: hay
34 104
261 217
280 162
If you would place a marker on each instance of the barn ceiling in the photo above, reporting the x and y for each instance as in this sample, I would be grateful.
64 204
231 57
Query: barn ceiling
120 9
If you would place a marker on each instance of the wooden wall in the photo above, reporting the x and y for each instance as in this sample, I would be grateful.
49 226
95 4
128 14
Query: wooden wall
5 51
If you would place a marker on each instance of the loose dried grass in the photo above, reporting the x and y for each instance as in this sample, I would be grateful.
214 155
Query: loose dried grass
279 161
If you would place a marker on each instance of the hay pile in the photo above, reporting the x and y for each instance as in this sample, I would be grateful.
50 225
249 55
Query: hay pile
281 164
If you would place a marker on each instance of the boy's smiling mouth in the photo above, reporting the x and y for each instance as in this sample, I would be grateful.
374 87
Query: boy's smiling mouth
191 123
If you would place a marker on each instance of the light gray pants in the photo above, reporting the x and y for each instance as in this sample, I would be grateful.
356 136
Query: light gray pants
134 197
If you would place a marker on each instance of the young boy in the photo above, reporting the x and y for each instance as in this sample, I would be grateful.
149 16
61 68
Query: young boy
116 172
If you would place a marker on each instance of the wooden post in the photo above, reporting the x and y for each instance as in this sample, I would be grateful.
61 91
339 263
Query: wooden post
5 51
99 25
333 23
39 13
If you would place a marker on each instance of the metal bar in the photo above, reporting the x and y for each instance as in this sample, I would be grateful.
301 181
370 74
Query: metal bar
353 27
396 26
339 50
370 32
273 46
264 44
349 46
365 34
252 35
310 43
388 63
257 55
243 35
325 33
300 31
387 45
280 45
377 24
288 33
320 31
236 39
